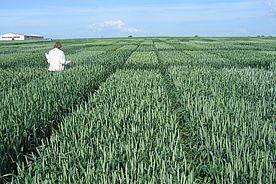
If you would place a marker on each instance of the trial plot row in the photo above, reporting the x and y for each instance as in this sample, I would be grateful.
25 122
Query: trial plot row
30 112
228 116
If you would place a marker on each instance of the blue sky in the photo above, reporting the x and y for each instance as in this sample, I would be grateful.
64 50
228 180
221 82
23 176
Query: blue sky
106 18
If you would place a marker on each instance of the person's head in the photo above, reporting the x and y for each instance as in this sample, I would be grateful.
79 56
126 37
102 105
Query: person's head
58 45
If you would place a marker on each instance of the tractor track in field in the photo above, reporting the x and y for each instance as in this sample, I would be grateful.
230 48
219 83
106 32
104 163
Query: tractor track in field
184 130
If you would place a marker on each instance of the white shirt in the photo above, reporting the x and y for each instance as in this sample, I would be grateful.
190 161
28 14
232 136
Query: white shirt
56 59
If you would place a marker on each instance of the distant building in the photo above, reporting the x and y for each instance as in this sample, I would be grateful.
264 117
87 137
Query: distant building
19 36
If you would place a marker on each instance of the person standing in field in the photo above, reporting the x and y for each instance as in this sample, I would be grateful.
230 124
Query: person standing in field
56 58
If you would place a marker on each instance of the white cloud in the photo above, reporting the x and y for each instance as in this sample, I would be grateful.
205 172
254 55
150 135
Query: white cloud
94 27
130 30
118 24
272 5
113 24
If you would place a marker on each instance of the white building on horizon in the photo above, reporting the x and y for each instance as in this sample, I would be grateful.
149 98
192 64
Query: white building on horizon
20 36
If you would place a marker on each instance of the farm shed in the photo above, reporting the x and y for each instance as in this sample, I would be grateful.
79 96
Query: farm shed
19 36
